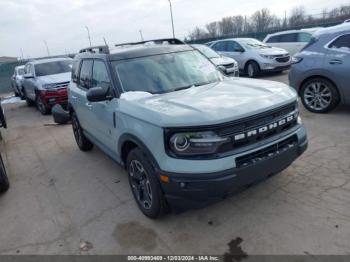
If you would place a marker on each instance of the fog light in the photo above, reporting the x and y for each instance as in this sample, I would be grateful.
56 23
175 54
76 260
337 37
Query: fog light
164 179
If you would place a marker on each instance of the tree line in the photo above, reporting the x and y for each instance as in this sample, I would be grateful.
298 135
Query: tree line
263 20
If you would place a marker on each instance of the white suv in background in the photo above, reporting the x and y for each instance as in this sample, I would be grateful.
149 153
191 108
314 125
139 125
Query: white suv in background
253 57
292 41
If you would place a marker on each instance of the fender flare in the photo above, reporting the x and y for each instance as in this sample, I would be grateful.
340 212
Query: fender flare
132 138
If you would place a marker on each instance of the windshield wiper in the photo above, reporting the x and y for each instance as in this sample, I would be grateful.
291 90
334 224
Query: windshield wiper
183 87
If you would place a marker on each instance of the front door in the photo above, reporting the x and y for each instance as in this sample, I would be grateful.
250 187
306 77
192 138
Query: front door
338 63
104 112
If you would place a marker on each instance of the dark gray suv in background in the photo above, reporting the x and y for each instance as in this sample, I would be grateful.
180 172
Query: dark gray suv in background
321 71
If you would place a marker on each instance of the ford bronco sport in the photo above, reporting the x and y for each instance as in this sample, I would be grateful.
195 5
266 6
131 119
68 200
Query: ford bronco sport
187 135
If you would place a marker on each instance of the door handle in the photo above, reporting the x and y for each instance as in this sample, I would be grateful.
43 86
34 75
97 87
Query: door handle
336 62
74 97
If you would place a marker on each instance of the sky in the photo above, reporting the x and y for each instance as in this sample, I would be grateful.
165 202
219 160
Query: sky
26 24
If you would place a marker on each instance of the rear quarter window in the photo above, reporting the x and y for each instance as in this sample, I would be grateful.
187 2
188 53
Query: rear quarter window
273 39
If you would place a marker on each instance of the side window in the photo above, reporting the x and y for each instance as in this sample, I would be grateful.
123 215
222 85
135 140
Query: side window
288 38
27 69
85 74
274 39
220 46
100 75
75 71
342 43
304 37
233 46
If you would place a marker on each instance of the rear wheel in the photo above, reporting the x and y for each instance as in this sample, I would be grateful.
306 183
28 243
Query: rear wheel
4 182
82 141
145 185
252 69
319 95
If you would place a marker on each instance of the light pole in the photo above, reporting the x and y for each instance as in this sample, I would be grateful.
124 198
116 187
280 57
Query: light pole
141 35
172 19
88 31
47 48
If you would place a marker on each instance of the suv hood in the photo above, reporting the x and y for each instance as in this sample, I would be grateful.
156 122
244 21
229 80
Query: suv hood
216 103
223 60
53 79
272 51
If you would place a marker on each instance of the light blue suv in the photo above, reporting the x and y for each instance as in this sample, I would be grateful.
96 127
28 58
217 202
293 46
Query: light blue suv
187 135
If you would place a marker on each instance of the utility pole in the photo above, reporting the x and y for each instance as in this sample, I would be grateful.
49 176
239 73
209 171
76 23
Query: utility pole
47 48
22 56
88 31
104 40
141 35
172 19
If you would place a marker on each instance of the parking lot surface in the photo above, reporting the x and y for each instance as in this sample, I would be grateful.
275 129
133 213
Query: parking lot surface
64 201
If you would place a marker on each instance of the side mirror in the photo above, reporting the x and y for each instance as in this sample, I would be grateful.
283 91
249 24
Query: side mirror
98 94
241 50
29 75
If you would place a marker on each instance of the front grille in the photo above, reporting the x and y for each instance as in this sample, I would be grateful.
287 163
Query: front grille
255 123
268 152
61 85
283 59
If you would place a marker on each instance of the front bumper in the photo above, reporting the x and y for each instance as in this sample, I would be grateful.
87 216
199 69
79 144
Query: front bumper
275 68
53 97
198 190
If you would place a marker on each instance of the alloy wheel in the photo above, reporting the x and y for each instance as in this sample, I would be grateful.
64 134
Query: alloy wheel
250 70
317 96
140 184
76 130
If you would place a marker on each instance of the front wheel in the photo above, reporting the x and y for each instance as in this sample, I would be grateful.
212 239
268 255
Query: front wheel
4 182
252 69
145 185
319 95
83 142
41 106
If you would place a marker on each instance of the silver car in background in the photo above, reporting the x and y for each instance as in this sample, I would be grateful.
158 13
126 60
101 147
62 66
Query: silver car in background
253 56
228 66
16 80
321 71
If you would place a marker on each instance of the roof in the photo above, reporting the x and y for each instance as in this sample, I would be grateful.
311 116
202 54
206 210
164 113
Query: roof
47 60
344 27
309 30
134 51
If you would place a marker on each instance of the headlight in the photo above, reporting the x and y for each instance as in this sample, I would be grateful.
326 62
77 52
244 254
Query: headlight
49 86
195 143
296 59
267 56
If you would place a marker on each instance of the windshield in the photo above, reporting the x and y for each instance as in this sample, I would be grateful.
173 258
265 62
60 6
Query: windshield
253 44
52 68
166 72
207 51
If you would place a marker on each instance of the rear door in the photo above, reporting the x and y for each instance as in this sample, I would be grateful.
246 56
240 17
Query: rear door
104 112
337 62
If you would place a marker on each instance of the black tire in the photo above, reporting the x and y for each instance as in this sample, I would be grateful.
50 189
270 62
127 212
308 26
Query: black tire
252 69
41 106
17 94
29 102
4 182
83 142
146 187
319 95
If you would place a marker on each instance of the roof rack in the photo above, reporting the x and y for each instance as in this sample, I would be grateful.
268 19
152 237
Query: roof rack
169 41
104 49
